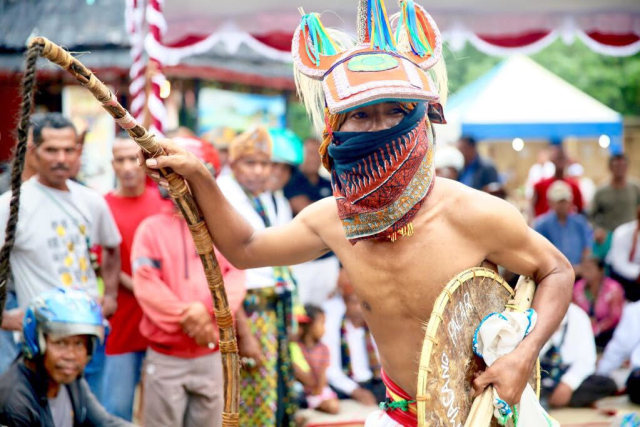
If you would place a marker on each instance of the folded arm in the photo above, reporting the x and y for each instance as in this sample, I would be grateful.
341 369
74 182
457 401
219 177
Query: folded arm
154 295
512 244
157 301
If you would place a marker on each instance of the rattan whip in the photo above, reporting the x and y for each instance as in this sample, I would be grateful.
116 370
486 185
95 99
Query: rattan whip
179 191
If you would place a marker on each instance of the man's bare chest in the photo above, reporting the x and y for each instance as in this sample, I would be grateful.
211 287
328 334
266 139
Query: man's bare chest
405 277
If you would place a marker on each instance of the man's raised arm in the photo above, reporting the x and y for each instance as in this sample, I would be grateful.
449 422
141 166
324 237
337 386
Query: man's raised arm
290 244
512 244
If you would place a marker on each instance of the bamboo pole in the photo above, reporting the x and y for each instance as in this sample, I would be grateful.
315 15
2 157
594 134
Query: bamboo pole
184 200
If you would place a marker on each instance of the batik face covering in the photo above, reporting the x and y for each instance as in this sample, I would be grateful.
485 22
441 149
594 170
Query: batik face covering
380 179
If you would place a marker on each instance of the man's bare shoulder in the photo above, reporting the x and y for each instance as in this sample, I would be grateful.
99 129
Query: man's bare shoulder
322 219
467 207
320 212
453 194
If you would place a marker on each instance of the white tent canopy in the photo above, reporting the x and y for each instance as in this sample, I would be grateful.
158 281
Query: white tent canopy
519 98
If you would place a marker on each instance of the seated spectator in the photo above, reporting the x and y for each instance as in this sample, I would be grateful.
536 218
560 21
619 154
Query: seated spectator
316 354
354 370
601 297
568 231
568 362
625 345
601 243
624 257
540 189
44 387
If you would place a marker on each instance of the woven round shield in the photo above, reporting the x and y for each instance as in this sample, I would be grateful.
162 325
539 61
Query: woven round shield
447 362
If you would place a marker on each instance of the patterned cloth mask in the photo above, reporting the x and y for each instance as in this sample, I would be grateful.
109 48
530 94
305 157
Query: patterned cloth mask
380 179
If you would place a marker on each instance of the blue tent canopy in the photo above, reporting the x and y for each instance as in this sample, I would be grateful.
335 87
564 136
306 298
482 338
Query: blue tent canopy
520 99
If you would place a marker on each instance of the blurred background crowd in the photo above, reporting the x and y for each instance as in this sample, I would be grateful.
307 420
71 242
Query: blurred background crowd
547 118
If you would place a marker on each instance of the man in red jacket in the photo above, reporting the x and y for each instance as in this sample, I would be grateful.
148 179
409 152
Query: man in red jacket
130 203
183 379
560 161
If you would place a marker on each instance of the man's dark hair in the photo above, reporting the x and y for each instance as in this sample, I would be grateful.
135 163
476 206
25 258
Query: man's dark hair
312 313
469 140
40 121
617 156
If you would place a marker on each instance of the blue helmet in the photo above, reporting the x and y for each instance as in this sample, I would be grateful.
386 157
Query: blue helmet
63 312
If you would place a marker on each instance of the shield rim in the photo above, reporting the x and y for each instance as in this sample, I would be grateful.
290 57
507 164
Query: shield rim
433 326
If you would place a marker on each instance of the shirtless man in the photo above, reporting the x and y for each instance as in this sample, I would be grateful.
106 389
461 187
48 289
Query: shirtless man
452 229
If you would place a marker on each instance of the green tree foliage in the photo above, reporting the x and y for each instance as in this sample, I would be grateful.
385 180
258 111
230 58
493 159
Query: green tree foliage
298 121
466 65
614 81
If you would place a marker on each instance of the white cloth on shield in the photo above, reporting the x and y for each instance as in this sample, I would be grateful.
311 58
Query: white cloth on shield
497 335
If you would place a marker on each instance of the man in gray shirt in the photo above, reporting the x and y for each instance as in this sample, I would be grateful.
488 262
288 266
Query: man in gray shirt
615 203
58 222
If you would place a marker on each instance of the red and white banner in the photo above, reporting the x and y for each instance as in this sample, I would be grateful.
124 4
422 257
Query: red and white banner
260 29
146 70
157 27
276 45
135 27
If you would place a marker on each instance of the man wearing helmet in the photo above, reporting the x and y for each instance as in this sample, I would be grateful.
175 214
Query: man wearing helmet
400 232
61 329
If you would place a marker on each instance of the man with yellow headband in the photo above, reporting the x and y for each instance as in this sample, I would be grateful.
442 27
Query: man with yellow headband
399 231
265 384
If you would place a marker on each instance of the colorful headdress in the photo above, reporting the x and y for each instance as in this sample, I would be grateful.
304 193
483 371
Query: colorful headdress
380 179
254 140
385 64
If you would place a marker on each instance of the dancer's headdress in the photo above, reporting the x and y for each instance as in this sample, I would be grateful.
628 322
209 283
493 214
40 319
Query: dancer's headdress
387 62
380 179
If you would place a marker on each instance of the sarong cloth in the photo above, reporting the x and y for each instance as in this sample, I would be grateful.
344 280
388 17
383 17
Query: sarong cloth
405 415
266 393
